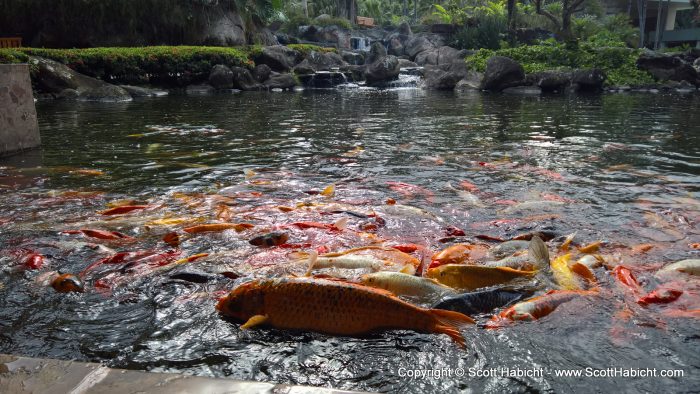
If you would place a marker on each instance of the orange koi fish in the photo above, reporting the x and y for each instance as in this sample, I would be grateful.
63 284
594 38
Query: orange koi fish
334 307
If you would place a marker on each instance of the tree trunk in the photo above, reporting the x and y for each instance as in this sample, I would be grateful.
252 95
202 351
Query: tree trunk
642 11
305 8
405 7
511 15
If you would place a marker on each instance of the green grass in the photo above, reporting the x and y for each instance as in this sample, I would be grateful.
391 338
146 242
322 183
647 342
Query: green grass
305 49
618 62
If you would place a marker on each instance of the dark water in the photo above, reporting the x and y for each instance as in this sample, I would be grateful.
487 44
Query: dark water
626 166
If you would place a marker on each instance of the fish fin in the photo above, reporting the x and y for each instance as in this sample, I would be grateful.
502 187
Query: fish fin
565 246
341 223
450 322
298 255
590 248
249 173
313 258
329 191
538 252
254 321
408 269
583 271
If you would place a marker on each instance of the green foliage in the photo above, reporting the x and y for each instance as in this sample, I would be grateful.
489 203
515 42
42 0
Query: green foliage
10 55
160 64
618 62
489 33
305 49
291 26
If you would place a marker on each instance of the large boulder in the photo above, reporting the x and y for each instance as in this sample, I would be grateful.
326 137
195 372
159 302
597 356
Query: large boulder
416 45
280 81
427 57
665 67
353 58
502 72
261 72
405 29
278 57
140 91
221 28
589 80
472 81
319 61
396 47
221 77
53 77
403 63
436 78
244 80
383 70
551 81
376 52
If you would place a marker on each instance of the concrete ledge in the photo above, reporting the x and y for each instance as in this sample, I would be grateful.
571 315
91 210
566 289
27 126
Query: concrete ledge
19 129
33 375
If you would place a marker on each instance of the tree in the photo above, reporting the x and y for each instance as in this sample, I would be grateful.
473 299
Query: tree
568 9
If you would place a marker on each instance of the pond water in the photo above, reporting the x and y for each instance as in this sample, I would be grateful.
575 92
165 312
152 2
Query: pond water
623 169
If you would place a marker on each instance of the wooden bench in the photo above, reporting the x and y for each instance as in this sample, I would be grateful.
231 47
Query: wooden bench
364 21
10 42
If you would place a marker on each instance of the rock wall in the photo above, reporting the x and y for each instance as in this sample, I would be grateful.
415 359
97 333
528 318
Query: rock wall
19 129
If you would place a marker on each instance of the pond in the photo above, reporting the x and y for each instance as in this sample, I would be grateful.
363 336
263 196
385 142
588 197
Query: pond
623 169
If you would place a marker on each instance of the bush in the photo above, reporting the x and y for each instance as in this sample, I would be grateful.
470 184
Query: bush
12 56
487 34
304 49
161 64
619 62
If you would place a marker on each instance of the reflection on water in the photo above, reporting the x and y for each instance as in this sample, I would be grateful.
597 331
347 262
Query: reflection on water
625 166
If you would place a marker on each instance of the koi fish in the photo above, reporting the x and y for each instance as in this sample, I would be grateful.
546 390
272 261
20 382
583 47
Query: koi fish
625 276
472 277
102 234
375 258
689 266
539 307
218 227
508 248
458 254
68 283
335 308
328 191
407 285
591 248
477 302
34 261
467 197
660 296
122 209
172 239
269 240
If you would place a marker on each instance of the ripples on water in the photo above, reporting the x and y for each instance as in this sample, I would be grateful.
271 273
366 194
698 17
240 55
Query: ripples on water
630 163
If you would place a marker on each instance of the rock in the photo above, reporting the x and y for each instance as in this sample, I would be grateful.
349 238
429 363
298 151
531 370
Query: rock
426 58
436 78
696 64
222 28
319 61
551 81
405 29
244 80
54 77
665 67
472 81
323 79
280 81
416 45
523 90
588 79
200 89
502 72
263 36
384 69
354 58
356 72
446 55
261 72
286 39
68 94
396 47
403 63
221 77
376 52
139 91
278 57
323 18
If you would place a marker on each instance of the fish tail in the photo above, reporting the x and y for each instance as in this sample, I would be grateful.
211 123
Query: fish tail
450 322
539 253
313 258
583 271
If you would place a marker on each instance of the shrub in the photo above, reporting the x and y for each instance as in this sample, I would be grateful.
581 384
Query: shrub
491 29
12 56
618 62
